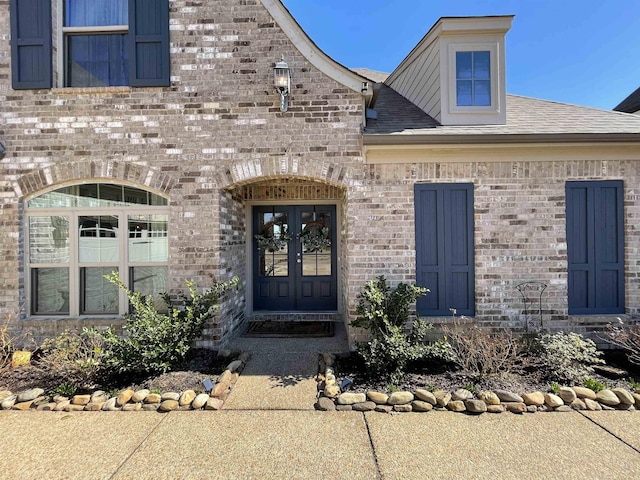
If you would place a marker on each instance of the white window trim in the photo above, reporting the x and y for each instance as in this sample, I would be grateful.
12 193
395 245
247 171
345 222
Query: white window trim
74 265
493 72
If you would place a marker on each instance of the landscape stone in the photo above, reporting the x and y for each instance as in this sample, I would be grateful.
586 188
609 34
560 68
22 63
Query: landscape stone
94 406
563 408
461 394
214 404
426 396
80 399
456 406
168 405
60 406
73 408
344 408
220 389
442 397
624 396
607 408
403 407
489 397
579 404
140 395
331 391
507 396
200 401
592 405
532 408
329 359
495 408
234 378
59 398
22 405
40 401
153 398
636 397
325 404
533 398
553 400
378 397
624 406
400 398
515 407
330 379
132 407
584 392
98 396
384 408
607 397
111 405
349 398
29 395
187 397
8 402
152 407
226 377
4 394
421 406
244 357
567 394
364 406
47 407
235 366
170 396
475 406
124 396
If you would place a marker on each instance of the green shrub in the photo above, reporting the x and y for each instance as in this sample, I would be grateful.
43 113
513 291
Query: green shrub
66 389
384 311
155 341
566 357
594 385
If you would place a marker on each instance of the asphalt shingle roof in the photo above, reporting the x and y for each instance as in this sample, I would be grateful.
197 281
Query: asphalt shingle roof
525 116
631 104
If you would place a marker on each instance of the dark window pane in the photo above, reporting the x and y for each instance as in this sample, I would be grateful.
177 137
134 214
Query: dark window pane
89 13
463 65
150 281
481 65
463 94
482 94
97 294
97 60
50 291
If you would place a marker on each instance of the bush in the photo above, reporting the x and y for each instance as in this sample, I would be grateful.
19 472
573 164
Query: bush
627 338
155 342
76 358
481 352
9 342
384 311
566 357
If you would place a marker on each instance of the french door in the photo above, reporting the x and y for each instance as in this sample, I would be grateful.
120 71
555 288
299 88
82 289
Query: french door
294 258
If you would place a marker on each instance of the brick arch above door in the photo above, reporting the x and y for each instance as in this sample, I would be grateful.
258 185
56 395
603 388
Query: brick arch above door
126 172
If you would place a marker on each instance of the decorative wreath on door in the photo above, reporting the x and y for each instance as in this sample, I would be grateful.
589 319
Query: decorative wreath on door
272 242
315 237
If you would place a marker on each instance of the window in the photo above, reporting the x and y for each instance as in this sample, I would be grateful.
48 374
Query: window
100 43
78 234
595 247
473 79
444 248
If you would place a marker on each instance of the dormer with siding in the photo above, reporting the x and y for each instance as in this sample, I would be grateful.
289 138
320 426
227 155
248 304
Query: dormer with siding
456 74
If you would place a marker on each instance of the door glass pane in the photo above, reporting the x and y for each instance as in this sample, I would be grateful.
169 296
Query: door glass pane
316 245
50 290
49 239
148 240
97 294
273 243
150 281
98 239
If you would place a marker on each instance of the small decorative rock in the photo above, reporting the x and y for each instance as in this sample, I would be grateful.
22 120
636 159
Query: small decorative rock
235 366
533 398
153 398
29 395
47 407
329 359
60 406
4 394
25 405
132 407
624 396
111 405
325 404
364 406
475 406
152 407
344 408
94 406
378 397
331 391
421 406
607 397
532 408
495 408
200 401
214 404
187 397
384 408
168 405
170 396
40 401
220 389
489 397
507 396
98 396
80 399
515 407
567 394
400 398
592 404
73 408
583 392
226 377
578 404
426 396
456 406
442 397
8 402
636 397
563 408
553 400
404 407
349 398
461 394
140 395
124 396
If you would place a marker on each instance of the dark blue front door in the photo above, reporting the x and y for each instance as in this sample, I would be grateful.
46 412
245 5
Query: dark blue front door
294 258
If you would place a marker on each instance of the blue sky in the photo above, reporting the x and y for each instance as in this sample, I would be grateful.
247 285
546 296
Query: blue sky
584 52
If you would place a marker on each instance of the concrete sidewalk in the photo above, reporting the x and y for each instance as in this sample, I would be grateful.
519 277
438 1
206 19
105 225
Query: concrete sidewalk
307 444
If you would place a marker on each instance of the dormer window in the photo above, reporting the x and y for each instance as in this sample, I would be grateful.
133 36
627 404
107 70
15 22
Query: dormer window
473 79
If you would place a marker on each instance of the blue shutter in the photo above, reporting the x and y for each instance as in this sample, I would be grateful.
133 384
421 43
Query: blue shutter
595 247
31 44
444 248
149 43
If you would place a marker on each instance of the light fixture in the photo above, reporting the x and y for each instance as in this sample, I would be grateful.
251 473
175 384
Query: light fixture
282 81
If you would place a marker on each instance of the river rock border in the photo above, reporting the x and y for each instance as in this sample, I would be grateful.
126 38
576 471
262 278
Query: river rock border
331 398
129 400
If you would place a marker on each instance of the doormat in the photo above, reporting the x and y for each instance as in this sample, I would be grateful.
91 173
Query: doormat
290 329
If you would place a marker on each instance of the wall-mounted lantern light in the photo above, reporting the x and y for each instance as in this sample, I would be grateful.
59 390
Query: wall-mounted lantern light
282 81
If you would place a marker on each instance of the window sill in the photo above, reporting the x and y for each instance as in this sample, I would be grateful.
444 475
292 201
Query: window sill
91 90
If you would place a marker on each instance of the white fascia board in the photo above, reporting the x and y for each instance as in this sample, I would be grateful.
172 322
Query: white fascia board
311 52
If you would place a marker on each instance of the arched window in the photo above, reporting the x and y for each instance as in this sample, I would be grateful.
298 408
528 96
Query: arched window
78 234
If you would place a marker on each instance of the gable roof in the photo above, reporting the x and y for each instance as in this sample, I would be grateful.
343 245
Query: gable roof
631 104
528 119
